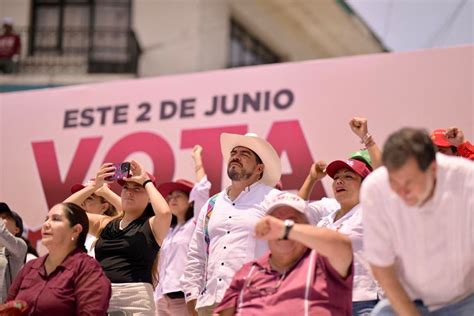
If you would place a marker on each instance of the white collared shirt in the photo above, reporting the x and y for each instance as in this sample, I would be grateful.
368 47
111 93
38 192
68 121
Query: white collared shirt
175 245
232 244
365 288
432 246
317 210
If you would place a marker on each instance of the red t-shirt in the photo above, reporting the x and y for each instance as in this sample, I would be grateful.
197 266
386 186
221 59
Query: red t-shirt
9 45
77 287
311 287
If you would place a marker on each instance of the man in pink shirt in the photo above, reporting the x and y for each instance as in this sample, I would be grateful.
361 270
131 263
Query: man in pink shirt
308 270
10 46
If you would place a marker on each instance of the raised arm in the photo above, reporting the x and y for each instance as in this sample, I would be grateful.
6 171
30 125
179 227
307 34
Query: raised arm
16 246
360 127
80 196
96 221
331 244
110 196
199 170
160 223
455 137
316 173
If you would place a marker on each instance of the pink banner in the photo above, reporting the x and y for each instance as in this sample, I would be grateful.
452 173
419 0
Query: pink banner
51 139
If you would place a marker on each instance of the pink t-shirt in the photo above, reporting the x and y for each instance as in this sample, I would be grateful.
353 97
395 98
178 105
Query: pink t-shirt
9 45
311 287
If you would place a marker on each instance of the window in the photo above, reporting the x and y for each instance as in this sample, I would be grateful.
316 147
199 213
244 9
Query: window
246 50
97 29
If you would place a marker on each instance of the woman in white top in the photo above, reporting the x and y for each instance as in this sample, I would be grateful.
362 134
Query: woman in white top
343 213
185 200
348 176
101 201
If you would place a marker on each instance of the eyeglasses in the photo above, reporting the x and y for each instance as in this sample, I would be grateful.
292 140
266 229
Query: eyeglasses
264 290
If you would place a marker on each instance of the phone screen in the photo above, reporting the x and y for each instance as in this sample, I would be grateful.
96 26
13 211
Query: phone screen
122 170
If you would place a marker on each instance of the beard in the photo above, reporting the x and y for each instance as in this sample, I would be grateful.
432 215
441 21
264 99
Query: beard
238 175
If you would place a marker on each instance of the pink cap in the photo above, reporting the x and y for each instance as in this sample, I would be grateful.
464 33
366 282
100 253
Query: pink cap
355 165
178 185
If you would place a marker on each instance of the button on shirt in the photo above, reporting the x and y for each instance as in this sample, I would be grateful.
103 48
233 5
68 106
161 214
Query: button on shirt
432 246
350 224
230 228
175 246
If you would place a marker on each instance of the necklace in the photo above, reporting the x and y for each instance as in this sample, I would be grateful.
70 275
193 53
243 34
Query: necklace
120 225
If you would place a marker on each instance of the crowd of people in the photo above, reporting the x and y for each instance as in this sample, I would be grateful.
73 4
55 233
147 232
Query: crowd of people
395 239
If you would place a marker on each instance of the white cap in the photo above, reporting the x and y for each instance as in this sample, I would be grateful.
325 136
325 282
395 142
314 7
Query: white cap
288 199
7 21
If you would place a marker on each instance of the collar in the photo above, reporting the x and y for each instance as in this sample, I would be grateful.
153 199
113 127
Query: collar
346 216
264 262
39 263
245 190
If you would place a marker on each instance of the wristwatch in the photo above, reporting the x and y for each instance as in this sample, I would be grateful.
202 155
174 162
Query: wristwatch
288 226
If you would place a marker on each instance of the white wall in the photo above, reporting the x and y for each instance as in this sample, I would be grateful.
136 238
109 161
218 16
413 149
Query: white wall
181 36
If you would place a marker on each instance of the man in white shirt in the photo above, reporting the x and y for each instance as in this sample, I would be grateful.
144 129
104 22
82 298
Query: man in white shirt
418 215
223 239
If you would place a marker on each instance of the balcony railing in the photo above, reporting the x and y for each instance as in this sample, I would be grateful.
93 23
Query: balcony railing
78 50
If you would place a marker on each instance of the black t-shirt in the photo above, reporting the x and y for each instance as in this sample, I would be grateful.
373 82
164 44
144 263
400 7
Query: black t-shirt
127 255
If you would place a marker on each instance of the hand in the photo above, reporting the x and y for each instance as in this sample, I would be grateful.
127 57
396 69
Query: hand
359 126
138 173
318 170
197 151
455 136
105 171
191 306
269 228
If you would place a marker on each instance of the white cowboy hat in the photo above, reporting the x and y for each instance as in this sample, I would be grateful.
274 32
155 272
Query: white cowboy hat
271 160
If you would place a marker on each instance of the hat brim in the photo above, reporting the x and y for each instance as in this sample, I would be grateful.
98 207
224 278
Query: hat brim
166 188
266 152
152 178
441 142
77 187
337 165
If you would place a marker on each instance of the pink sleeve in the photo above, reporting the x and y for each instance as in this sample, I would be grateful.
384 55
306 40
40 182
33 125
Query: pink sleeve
15 286
92 288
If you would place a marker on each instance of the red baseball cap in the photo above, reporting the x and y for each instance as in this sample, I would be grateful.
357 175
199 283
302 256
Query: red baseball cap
79 186
438 136
354 165
152 178
178 185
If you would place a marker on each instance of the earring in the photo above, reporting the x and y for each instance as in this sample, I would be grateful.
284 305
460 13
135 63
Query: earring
72 238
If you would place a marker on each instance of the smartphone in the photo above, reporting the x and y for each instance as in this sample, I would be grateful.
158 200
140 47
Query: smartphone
122 170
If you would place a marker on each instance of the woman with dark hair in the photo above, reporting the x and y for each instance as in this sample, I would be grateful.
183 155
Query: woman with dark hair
185 200
128 244
66 281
